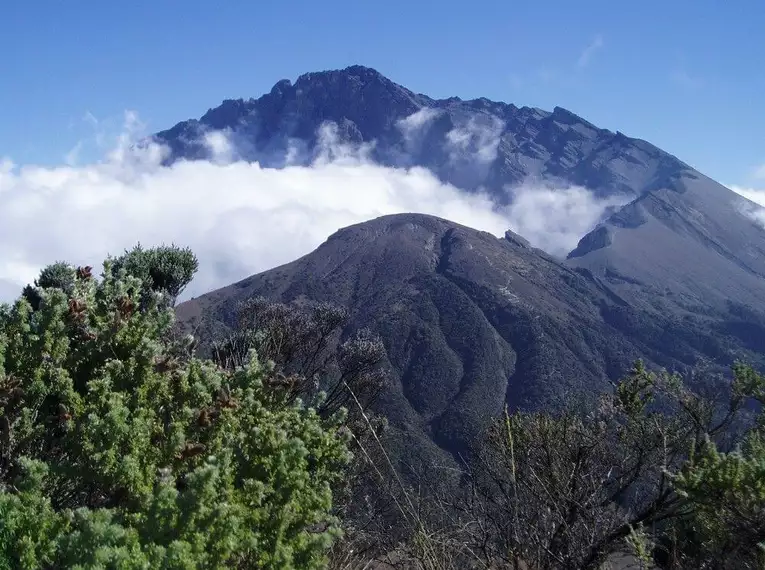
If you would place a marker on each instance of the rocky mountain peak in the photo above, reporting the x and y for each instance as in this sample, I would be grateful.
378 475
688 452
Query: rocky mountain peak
471 144
670 210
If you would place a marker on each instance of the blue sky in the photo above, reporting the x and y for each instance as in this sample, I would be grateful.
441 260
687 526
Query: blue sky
684 75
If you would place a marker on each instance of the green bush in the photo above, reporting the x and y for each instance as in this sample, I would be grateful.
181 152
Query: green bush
165 269
120 449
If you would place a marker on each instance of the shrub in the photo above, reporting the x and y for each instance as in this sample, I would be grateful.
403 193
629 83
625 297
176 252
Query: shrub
120 449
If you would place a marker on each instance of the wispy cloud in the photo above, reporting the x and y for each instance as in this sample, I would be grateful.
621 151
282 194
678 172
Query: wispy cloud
416 121
542 76
588 52
90 118
564 74
682 78
72 157
516 81
239 217
759 172
414 127
98 136
547 75
220 147
475 141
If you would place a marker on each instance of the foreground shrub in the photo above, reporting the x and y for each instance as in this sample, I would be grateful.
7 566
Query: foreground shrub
674 475
120 449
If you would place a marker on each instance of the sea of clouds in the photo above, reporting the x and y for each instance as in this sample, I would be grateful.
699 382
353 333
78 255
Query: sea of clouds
241 218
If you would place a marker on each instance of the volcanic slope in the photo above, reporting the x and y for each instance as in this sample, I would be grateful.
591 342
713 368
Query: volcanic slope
469 321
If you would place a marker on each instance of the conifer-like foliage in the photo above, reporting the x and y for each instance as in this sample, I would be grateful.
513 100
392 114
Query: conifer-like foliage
727 493
120 449
165 269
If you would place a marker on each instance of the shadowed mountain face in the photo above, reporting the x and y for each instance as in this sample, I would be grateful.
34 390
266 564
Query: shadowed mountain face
470 321
471 144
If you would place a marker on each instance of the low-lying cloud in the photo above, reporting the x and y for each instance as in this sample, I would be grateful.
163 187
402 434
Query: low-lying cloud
241 218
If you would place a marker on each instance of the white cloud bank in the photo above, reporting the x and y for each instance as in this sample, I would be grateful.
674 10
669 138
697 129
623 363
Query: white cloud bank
557 218
238 217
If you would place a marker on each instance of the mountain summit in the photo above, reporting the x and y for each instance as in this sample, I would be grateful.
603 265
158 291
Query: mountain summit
471 144
681 233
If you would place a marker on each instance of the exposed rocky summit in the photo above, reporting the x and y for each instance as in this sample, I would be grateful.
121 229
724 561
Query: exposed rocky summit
467 143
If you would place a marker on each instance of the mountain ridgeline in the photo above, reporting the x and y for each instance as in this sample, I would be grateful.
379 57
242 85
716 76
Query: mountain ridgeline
471 144
471 321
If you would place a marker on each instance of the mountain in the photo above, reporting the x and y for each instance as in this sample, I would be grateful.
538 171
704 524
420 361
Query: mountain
680 231
471 321
471 144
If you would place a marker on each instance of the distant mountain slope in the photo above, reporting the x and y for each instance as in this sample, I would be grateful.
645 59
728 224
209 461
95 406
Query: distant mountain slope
470 321
687 245
467 143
